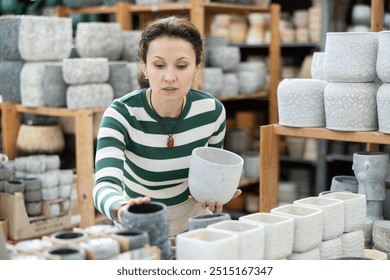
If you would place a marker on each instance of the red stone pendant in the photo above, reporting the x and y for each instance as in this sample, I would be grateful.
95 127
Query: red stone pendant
170 142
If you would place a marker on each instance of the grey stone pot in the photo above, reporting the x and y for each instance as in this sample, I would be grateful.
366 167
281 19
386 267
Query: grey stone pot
10 80
5 173
67 253
54 86
344 183
89 96
14 185
34 208
375 210
131 239
152 218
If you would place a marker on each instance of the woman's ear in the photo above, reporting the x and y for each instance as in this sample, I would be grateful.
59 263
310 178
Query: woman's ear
143 69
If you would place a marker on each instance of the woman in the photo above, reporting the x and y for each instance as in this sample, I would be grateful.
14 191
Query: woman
146 137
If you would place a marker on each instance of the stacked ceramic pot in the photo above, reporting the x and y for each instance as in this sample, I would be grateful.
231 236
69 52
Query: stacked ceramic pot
350 69
32 49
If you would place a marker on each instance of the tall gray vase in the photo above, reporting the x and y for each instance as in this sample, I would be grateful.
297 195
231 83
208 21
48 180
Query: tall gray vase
152 218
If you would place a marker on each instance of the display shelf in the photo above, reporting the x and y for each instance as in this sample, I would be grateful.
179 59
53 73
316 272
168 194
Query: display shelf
269 153
84 137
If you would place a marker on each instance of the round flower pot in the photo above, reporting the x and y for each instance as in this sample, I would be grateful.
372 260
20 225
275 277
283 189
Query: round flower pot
66 253
383 60
330 249
204 221
381 235
353 244
131 239
383 107
344 183
214 174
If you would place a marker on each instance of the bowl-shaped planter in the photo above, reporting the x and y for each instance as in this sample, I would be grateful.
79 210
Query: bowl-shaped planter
278 233
204 221
383 60
308 225
351 56
301 102
383 107
214 174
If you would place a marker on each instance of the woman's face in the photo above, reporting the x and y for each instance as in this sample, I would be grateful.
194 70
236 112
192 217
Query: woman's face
170 67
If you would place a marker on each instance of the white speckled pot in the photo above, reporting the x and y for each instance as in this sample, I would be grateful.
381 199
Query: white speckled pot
226 57
213 80
383 60
351 56
301 102
207 244
308 225
279 233
317 66
251 237
383 107
333 214
351 106
354 209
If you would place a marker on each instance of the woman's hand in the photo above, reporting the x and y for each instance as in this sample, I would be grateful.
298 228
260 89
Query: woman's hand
215 206
135 201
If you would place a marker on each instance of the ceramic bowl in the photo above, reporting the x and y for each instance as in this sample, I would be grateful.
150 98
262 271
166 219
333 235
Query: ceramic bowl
308 225
351 106
279 233
351 56
214 174
301 102
375 254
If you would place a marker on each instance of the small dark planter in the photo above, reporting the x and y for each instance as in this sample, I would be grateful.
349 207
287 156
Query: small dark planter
131 239
205 220
67 253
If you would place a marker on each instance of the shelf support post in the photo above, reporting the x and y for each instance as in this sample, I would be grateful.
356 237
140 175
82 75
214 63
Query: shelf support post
10 124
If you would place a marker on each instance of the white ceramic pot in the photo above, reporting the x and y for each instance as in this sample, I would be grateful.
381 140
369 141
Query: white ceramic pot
381 235
331 249
279 233
313 254
351 56
383 107
226 57
301 102
308 225
354 209
333 214
317 66
207 244
351 106
251 164
214 174
250 235
383 60
353 244
213 80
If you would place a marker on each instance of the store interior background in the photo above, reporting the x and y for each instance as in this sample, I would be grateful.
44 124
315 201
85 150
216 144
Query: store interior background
307 165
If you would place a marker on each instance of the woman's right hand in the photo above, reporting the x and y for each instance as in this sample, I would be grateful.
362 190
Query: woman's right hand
135 201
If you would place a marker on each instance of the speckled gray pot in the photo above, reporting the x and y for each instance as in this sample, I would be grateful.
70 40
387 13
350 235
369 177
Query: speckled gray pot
226 57
10 80
206 220
351 106
344 183
119 78
89 96
131 239
5 173
67 253
99 39
54 86
79 71
152 218
213 80
14 185
131 42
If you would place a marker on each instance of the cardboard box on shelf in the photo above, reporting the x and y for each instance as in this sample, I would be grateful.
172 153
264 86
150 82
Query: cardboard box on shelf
21 226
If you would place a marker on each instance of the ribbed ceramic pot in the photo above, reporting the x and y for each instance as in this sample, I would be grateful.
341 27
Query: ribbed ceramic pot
301 102
131 239
354 209
383 107
351 106
353 244
250 235
333 214
214 174
308 225
344 183
330 249
207 244
371 170
313 254
383 60
351 56
279 233
204 221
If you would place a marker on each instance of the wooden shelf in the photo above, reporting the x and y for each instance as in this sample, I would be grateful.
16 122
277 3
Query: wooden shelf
11 121
256 95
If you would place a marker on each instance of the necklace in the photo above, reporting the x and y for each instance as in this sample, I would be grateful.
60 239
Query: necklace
170 139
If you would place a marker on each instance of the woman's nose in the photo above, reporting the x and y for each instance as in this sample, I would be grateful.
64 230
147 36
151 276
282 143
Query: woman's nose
170 75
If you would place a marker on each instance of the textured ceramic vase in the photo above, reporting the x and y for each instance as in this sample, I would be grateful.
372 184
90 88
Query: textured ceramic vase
301 102
333 214
331 249
279 233
354 209
351 106
152 218
207 244
383 107
352 244
226 57
381 235
308 225
250 235
351 56
383 60
371 170
214 174
204 221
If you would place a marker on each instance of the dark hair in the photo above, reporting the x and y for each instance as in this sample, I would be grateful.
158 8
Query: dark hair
173 26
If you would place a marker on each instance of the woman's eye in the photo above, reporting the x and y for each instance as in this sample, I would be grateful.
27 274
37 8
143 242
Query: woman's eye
159 66
181 66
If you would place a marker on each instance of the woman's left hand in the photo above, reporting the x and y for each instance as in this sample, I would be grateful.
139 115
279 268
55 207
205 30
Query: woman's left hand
215 206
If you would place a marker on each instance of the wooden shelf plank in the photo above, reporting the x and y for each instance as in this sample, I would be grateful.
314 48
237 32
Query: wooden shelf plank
56 112
256 95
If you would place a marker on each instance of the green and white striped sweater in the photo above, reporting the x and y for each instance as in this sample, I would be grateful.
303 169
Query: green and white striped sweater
132 158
